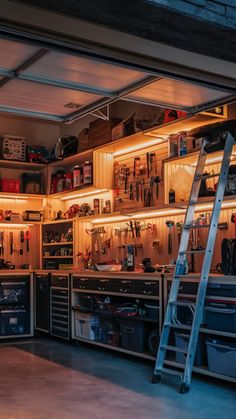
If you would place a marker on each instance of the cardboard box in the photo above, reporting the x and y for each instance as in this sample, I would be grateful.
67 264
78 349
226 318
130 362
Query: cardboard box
123 129
83 143
100 131
13 148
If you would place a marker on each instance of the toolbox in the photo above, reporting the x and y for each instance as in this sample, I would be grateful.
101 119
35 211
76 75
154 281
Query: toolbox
221 315
132 335
32 215
221 356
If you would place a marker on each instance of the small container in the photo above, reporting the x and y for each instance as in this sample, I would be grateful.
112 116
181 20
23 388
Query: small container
88 173
77 176
96 206
171 196
182 143
53 183
68 181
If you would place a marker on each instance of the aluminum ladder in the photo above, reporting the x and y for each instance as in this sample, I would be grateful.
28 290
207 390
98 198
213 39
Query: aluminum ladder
171 321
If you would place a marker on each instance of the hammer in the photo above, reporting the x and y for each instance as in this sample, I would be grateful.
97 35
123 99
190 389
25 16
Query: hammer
233 220
170 224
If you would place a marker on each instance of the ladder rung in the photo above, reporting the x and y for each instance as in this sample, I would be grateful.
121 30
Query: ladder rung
188 226
182 303
174 349
178 326
193 202
206 176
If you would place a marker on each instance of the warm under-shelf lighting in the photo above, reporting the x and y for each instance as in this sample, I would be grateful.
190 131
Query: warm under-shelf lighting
15 225
137 147
116 218
83 195
158 213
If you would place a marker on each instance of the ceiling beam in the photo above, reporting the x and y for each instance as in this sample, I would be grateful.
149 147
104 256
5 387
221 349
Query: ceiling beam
32 114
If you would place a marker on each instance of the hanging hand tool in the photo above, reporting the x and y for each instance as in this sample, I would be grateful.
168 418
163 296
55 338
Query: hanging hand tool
27 237
157 180
170 224
136 171
179 227
233 220
148 164
2 243
22 239
127 173
152 160
131 193
11 242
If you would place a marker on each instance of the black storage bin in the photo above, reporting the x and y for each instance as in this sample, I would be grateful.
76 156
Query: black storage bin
221 356
221 315
146 287
222 290
152 310
132 335
86 303
14 321
102 284
181 341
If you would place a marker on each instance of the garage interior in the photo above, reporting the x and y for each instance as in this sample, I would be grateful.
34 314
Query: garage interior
101 132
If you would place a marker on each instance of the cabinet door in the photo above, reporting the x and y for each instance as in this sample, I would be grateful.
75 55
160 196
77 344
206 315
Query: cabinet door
42 303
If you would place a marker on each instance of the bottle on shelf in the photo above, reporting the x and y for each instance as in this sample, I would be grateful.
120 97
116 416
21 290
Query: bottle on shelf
130 258
171 196
88 173
77 176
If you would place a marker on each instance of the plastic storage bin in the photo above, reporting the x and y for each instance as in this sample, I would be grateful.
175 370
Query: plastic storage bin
132 335
221 315
181 341
152 311
221 357
85 325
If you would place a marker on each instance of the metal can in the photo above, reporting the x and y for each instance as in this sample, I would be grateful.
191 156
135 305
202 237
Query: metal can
88 172
77 176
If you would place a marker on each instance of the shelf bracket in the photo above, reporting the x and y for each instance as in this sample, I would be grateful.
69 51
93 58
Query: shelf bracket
102 115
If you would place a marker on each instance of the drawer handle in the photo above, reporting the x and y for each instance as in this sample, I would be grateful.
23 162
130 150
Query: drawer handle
101 288
220 310
123 290
82 287
147 292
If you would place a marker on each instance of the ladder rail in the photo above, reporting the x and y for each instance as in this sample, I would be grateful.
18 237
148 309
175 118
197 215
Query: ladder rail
200 301
170 315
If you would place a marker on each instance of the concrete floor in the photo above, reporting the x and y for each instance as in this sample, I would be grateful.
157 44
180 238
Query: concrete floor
46 379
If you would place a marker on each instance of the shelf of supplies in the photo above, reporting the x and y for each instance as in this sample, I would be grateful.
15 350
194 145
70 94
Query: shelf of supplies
58 257
11 195
71 160
201 370
77 193
190 159
57 244
19 223
115 348
23 165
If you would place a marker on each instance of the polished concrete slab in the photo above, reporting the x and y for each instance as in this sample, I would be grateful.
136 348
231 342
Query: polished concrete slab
47 379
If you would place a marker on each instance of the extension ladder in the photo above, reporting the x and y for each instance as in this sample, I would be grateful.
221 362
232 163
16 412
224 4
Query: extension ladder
171 322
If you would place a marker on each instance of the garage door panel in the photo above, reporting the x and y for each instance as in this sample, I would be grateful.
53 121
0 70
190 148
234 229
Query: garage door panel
14 53
43 98
176 93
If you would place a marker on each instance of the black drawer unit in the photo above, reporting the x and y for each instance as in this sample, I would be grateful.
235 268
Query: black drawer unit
14 320
60 324
84 283
14 290
221 290
61 281
42 301
146 287
185 287
124 286
103 284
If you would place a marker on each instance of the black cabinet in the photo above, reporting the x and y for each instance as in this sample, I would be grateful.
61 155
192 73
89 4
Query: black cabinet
42 301
60 306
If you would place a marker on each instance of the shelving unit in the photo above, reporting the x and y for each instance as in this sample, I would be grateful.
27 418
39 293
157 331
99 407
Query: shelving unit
122 288
189 282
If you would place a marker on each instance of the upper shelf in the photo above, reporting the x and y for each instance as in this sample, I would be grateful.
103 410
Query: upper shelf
10 195
191 158
23 165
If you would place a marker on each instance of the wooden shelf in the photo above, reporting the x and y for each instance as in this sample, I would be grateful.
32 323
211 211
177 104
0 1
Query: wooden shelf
58 257
72 160
64 220
14 164
77 193
57 244
10 195
23 223
190 159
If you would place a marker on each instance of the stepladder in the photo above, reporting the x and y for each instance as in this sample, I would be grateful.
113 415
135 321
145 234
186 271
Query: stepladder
171 321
